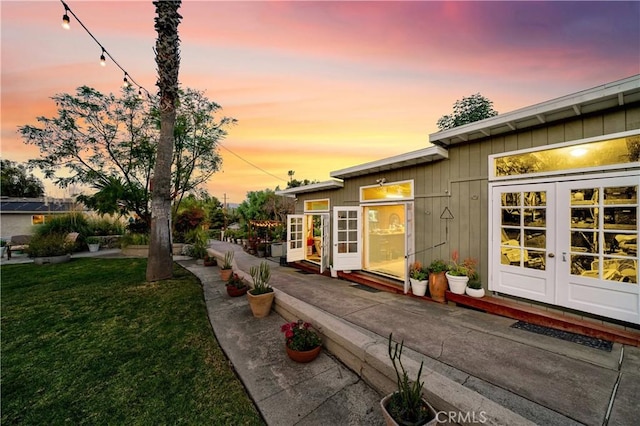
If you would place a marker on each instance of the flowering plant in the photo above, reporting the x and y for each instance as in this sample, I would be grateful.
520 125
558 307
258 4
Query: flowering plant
301 336
466 268
236 281
417 272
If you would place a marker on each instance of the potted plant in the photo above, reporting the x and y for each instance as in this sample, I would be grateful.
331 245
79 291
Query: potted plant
50 248
437 280
474 286
226 269
406 406
93 243
261 295
458 273
303 342
236 286
418 277
3 245
209 260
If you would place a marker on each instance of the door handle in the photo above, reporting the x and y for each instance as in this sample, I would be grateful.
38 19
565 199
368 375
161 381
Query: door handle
552 255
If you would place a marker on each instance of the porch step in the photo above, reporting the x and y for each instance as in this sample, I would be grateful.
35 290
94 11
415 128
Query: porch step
539 316
499 306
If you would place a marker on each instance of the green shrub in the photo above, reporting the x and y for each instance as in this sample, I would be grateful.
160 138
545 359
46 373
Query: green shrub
133 239
104 226
64 224
49 245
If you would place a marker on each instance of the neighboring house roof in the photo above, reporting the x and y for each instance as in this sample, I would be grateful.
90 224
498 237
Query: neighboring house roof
312 187
599 98
425 155
35 205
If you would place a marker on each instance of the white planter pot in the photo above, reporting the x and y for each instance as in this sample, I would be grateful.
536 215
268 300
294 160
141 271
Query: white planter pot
334 272
418 287
457 284
94 247
475 292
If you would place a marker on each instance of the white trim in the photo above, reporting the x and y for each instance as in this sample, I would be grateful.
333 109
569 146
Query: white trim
595 99
426 155
527 176
313 187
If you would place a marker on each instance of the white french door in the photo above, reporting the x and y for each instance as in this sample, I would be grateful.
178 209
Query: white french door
324 246
523 241
569 243
598 246
296 242
347 238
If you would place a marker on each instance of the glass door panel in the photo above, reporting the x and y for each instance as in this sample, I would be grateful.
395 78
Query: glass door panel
599 269
385 239
524 227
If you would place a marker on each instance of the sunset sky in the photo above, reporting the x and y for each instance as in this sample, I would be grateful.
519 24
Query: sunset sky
318 86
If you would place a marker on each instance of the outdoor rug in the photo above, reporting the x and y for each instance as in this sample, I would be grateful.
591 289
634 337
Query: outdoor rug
591 342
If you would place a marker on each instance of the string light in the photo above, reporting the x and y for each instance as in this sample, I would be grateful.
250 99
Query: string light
65 17
128 81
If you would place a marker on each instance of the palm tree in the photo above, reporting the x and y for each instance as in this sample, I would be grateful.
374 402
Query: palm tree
160 264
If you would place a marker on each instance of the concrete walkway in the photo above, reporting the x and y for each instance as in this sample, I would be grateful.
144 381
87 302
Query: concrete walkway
475 363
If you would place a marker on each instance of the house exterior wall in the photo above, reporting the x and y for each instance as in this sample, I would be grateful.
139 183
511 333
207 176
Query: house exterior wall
15 224
460 184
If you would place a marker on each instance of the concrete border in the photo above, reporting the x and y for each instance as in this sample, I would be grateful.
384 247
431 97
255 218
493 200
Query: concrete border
366 354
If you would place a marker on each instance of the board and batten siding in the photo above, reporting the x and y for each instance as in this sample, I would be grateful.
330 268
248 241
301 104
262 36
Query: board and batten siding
460 184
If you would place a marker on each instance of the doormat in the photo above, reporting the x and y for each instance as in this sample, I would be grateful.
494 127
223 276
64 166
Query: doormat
592 342
365 288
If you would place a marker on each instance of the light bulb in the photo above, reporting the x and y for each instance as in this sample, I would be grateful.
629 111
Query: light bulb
103 59
125 82
65 21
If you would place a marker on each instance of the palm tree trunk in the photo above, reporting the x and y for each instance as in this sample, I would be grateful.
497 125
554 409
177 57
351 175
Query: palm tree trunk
160 264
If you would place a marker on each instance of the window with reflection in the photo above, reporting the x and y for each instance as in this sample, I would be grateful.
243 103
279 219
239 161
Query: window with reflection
604 233
589 155
523 229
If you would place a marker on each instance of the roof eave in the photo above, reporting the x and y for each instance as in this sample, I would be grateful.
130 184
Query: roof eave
602 97
425 155
312 187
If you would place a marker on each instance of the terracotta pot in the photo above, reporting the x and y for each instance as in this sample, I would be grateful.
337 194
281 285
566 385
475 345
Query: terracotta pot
390 420
303 356
225 274
234 291
261 304
437 286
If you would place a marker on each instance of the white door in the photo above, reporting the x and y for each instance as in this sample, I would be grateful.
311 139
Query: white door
410 244
598 247
296 242
324 247
522 255
347 238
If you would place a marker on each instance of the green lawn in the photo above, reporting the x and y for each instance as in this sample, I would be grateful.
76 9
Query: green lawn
90 342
